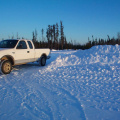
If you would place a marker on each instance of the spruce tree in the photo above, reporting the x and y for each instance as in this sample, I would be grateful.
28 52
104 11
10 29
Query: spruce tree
57 36
62 35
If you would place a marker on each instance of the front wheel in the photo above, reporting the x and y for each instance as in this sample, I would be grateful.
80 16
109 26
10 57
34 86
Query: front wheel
43 61
5 67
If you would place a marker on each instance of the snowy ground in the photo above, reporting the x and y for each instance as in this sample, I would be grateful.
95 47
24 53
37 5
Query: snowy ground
74 85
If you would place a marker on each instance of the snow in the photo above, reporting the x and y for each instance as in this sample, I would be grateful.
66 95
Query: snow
74 85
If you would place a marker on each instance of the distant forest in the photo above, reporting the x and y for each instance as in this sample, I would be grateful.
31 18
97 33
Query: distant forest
56 39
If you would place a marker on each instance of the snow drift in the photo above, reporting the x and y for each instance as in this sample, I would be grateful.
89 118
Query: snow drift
79 85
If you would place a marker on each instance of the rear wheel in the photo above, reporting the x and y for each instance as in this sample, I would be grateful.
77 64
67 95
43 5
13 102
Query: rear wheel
5 67
43 61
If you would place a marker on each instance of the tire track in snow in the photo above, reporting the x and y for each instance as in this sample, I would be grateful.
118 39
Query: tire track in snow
77 103
63 105
35 103
37 106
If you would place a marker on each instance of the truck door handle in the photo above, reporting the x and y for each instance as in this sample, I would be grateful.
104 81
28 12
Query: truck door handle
28 51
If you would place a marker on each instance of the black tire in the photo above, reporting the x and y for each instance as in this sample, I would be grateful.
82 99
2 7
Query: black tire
43 61
5 67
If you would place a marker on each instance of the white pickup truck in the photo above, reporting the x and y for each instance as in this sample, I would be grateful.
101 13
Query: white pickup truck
19 51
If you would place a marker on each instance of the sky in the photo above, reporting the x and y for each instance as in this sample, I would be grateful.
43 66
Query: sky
81 18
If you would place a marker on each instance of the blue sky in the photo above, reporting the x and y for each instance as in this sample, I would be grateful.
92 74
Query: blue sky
81 18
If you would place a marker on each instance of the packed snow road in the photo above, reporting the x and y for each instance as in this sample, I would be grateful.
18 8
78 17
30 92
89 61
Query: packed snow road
74 85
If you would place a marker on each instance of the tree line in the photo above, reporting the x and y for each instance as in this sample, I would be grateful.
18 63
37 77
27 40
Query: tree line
56 39
108 41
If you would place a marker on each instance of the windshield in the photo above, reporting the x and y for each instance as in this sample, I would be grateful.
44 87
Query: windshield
8 43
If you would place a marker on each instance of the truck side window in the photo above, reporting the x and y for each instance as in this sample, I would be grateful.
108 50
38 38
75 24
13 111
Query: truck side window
30 45
22 45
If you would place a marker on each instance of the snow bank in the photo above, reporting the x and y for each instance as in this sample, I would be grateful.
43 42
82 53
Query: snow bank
80 85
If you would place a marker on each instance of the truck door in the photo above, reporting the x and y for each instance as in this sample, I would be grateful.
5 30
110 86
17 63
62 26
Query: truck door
21 53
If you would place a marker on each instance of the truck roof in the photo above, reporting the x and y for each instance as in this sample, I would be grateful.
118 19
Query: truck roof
16 39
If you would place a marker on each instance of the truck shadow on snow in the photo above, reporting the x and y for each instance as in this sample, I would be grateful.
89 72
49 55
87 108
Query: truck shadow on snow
28 66
31 66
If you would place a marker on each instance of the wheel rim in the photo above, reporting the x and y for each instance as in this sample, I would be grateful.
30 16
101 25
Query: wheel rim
7 67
